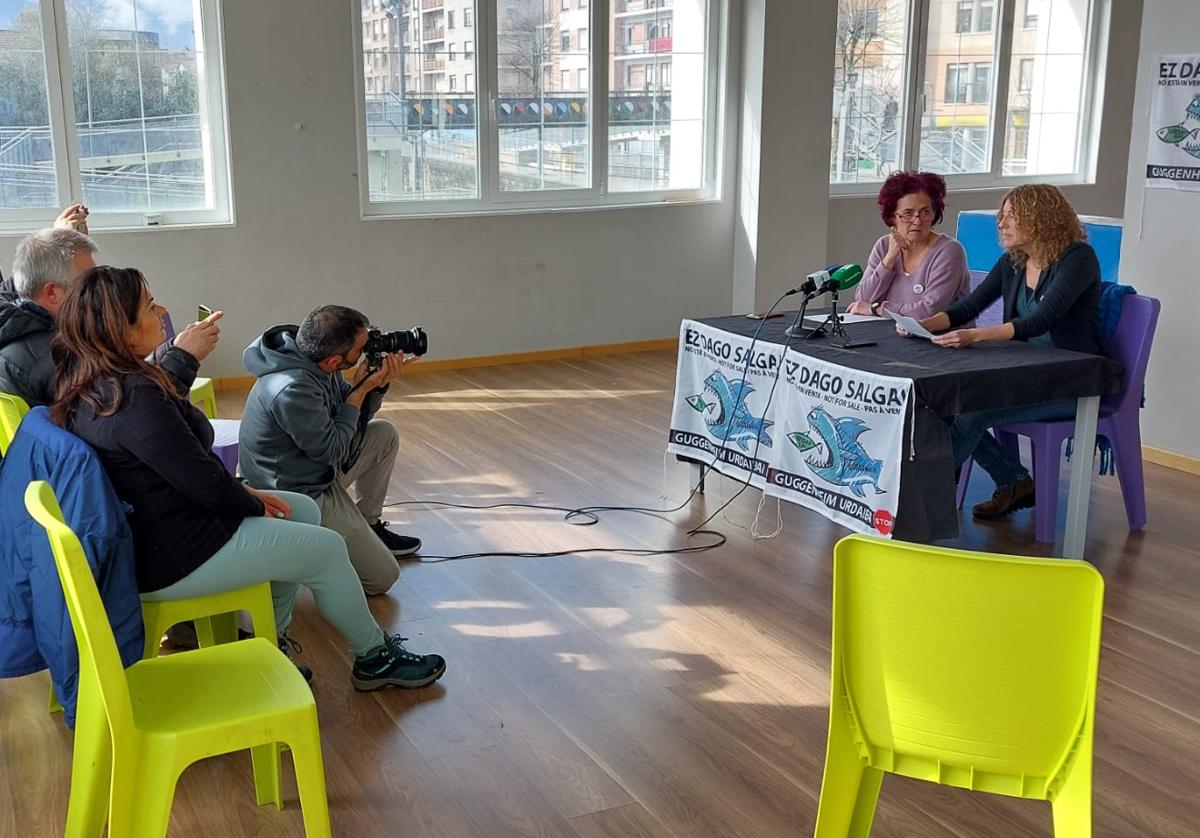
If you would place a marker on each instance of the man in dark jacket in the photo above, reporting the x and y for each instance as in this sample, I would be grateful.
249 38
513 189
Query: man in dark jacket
304 429
45 265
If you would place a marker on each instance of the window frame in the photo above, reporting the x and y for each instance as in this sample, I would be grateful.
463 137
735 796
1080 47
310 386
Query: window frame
491 200
1004 16
60 107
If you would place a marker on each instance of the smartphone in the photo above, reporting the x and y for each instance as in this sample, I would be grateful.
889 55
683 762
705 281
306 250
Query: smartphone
203 311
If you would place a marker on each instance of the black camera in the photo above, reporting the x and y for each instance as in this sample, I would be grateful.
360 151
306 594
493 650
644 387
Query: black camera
412 341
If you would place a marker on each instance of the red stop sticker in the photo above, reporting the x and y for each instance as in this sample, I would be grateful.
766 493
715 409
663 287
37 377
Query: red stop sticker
883 521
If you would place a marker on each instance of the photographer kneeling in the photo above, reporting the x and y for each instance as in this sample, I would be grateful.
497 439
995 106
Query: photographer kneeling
306 430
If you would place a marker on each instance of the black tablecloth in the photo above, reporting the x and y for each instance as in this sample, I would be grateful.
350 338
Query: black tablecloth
946 382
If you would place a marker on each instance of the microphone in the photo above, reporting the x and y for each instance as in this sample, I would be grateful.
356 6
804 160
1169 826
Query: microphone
843 278
815 282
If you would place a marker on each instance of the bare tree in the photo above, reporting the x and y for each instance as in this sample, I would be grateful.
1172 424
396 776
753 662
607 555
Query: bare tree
399 10
525 43
859 32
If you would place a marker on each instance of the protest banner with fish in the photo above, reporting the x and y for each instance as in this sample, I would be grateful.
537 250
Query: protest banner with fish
1173 158
805 430
844 432
722 387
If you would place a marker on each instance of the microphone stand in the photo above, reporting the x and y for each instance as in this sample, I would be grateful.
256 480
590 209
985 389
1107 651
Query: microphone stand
837 328
798 326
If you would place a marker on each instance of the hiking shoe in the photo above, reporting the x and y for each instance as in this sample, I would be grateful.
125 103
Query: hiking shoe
289 646
391 665
399 545
1006 499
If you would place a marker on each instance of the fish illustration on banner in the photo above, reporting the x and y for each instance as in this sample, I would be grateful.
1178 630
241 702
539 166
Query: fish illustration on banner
726 416
839 457
1186 135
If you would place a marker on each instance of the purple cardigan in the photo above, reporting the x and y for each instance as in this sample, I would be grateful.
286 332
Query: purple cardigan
942 278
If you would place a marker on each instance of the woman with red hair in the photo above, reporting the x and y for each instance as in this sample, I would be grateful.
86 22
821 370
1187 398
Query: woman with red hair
913 270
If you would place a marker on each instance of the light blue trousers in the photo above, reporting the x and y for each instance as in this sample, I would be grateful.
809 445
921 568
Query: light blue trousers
288 553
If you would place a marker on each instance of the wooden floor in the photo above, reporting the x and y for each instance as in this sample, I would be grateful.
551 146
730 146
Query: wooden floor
604 695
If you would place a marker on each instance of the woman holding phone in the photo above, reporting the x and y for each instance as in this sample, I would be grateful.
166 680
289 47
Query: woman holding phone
196 530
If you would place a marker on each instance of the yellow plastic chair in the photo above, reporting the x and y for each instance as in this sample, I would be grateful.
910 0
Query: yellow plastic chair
138 729
204 394
963 669
215 617
12 409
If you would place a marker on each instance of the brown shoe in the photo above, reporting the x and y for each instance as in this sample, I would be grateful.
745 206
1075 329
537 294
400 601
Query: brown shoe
1006 499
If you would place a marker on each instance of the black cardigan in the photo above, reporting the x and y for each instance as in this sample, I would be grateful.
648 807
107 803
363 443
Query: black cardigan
157 450
1068 294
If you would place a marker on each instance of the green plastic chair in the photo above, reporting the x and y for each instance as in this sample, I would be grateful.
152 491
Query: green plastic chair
964 669
203 393
215 617
137 729
12 410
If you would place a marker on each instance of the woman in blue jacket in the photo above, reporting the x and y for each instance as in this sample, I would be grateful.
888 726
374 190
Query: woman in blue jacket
196 530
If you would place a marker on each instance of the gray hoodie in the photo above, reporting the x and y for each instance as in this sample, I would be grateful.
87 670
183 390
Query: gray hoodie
297 433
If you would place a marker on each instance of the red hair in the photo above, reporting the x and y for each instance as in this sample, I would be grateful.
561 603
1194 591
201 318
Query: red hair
900 184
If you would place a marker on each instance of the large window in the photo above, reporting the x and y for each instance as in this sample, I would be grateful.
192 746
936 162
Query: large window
983 90
116 103
554 120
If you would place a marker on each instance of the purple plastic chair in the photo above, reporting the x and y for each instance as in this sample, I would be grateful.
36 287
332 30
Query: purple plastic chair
993 315
225 431
1119 421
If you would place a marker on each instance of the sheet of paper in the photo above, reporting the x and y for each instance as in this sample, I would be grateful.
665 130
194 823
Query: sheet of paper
908 324
818 319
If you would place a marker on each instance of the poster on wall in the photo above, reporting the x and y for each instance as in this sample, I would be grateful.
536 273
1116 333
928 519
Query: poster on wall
1173 158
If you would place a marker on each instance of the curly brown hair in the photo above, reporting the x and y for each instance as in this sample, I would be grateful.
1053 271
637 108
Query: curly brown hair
1047 219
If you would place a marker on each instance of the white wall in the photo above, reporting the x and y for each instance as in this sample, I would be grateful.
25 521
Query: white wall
1158 256
780 229
480 286
854 222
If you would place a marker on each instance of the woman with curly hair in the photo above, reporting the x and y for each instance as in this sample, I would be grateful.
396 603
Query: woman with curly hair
1049 279
913 270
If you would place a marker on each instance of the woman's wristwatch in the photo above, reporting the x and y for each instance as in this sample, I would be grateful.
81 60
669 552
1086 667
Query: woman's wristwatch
875 308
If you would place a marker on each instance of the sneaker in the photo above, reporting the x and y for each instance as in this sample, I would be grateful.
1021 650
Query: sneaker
289 646
1006 499
400 545
391 665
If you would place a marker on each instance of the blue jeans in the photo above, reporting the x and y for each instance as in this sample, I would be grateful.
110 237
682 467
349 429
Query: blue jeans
288 554
969 437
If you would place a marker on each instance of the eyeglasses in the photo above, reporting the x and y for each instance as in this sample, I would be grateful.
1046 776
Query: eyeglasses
925 213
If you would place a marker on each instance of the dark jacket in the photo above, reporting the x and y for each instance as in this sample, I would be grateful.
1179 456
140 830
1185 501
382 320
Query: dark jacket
1068 295
157 450
297 431
25 366
26 369
35 628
